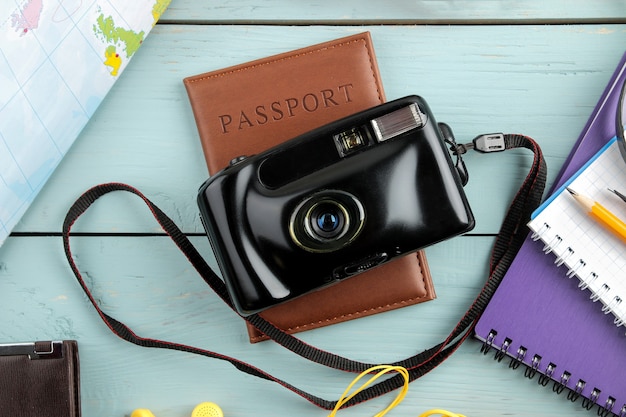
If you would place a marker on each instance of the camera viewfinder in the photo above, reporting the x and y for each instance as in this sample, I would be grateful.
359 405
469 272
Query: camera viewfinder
349 141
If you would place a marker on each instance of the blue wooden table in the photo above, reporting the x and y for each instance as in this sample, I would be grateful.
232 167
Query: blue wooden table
536 68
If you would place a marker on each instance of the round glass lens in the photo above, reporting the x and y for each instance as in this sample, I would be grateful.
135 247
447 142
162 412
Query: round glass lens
328 220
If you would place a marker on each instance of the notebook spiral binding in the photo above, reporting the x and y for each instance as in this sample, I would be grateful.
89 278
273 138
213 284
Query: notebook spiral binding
560 382
578 268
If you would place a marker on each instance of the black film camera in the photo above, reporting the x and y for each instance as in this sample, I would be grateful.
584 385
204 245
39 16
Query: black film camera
332 203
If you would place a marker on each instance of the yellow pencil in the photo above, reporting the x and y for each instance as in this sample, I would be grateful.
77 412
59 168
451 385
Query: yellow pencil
600 214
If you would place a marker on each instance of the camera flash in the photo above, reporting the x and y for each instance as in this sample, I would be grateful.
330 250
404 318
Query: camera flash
349 141
398 122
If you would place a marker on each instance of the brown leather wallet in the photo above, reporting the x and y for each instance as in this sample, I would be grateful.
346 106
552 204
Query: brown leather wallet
248 108
40 379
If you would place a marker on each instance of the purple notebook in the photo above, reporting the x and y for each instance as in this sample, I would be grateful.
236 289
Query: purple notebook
540 318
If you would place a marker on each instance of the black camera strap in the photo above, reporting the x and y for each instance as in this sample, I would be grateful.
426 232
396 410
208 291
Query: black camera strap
508 241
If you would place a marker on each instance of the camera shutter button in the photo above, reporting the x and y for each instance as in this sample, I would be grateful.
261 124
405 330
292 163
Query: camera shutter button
237 160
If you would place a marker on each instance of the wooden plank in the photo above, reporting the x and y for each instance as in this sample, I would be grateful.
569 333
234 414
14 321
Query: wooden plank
144 283
538 80
420 11
528 78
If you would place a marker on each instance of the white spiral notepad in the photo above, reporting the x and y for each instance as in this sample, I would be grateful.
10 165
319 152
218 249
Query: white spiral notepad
591 253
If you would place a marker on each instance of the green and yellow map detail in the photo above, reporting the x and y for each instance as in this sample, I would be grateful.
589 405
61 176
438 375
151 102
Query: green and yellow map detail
125 39
73 51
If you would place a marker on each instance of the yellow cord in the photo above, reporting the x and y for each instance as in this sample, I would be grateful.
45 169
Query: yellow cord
444 413
382 370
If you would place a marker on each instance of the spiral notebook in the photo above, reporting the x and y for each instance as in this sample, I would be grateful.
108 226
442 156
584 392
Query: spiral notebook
591 253
540 319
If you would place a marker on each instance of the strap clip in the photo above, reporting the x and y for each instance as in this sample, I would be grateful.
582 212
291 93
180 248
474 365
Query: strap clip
491 142
486 143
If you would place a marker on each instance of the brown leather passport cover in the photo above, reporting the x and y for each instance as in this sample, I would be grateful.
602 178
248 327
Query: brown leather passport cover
40 379
245 109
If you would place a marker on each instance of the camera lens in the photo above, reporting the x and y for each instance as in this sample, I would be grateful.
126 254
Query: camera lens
326 221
